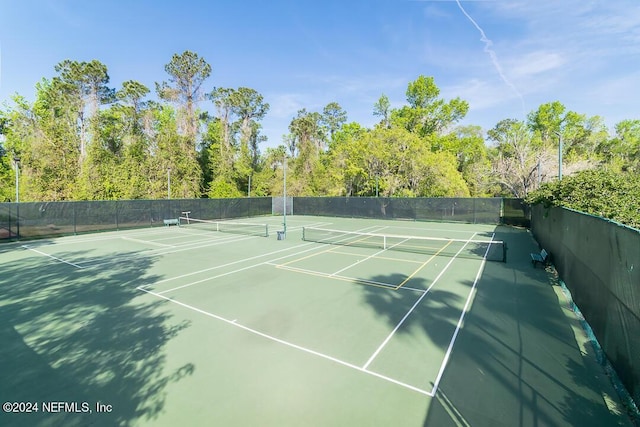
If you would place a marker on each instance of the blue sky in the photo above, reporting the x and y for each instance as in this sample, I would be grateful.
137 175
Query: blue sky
505 57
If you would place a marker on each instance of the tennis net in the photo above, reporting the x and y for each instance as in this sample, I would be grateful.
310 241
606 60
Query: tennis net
491 250
249 228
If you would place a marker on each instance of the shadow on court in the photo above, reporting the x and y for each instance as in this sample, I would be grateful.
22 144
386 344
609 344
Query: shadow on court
520 358
81 337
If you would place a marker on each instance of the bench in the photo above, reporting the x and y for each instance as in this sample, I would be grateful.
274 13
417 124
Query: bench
172 221
542 258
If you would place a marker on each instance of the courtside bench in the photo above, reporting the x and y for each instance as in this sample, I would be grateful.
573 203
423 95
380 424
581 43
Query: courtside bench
171 221
541 258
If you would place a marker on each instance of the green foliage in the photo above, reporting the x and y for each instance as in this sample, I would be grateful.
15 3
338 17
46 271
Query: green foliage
221 188
623 151
466 144
604 193
7 177
333 117
394 161
427 114
81 139
382 109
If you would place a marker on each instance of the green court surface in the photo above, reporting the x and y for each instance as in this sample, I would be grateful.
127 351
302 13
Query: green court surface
182 326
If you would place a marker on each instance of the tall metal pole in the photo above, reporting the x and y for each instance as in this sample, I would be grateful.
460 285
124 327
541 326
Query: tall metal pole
17 163
249 193
16 159
284 193
169 182
559 155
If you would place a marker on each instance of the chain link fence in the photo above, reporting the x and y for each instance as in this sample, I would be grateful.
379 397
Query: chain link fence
46 219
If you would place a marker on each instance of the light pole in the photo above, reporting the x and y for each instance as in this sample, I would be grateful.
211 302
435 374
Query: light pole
284 194
249 192
559 155
16 160
169 182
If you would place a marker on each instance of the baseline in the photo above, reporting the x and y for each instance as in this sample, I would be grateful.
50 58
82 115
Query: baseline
53 257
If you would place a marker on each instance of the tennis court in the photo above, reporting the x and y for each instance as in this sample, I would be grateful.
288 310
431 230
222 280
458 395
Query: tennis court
362 322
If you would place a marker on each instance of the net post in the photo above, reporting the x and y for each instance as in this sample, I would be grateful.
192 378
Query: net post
504 251
384 242
266 230
303 229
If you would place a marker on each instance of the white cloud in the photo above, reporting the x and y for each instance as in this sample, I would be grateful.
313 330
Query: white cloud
534 63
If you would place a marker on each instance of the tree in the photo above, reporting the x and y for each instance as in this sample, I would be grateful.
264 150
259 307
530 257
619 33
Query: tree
517 157
427 114
83 85
223 99
581 135
237 137
394 162
118 161
623 150
249 106
333 117
187 73
6 175
547 120
382 108
45 137
466 143
307 138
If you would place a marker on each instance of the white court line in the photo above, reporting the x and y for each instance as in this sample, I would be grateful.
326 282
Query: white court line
226 265
313 224
147 242
241 269
332 276
52 257
108 235
160 251
163 251
289 344
270 262
345 278
460 321
214 241
384 343
369 257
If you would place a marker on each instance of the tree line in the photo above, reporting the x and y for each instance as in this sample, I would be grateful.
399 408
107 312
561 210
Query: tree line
81 139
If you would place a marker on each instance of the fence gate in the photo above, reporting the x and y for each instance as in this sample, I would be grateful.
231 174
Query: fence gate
278 205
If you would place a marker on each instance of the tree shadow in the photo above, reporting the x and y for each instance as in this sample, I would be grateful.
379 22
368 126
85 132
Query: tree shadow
72 335
516 360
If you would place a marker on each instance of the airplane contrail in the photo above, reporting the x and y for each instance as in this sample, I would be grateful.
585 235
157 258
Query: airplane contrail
494 58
